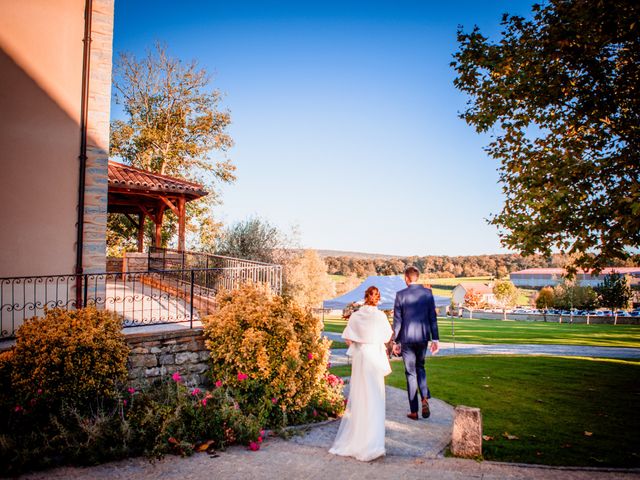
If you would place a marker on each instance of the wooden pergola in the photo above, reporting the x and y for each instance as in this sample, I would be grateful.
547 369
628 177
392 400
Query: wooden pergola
139 194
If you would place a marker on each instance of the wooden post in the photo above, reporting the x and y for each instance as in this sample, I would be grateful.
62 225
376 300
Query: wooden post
158 222
141 220
181 220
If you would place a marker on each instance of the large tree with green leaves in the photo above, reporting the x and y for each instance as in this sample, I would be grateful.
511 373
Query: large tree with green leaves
560 94
174 124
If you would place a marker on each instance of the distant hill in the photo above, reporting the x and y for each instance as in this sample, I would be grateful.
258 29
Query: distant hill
372 256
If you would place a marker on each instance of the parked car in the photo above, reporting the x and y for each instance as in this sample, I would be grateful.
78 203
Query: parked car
635 313
605 313
622 313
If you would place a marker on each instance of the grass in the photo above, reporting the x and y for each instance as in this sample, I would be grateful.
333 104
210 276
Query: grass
513 332
519 332
335 344
564 411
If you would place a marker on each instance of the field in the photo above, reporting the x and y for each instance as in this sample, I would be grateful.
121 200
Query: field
511 332
546 410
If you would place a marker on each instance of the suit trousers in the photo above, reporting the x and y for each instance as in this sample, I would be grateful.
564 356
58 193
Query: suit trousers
413 355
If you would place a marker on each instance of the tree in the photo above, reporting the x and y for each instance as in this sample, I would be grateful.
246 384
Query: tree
253 239
472 299
545 298
506 294
615 292
306 280
173 126
562 93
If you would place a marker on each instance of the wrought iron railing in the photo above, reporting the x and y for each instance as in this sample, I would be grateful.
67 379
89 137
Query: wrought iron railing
156 296
226 272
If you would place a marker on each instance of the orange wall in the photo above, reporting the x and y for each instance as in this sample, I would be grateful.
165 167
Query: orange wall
40 92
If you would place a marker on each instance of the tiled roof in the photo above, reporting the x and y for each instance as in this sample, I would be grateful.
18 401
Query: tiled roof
561 271
125 176
477 287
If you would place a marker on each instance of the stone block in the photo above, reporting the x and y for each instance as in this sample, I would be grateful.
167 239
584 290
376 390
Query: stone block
204 356
198 368
155 350
466 438
148 360
186 357
139 350
167 359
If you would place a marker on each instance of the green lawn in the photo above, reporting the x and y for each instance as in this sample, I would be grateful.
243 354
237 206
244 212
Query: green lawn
511 331
563 411
335 344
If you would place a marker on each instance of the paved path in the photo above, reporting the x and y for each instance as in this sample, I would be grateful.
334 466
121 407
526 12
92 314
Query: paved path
338 356
424 438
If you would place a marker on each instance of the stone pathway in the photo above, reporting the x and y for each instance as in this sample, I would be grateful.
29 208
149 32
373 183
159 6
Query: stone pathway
408 438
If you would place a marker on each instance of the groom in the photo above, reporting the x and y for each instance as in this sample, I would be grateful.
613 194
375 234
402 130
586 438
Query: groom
414 324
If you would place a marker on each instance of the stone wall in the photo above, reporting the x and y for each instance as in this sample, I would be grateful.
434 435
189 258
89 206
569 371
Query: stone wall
158 355
135 262
114 264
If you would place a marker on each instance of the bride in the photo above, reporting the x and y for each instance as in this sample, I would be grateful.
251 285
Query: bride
361 432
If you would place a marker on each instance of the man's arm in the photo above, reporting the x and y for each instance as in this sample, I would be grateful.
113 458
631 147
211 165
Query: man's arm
433 326
397 324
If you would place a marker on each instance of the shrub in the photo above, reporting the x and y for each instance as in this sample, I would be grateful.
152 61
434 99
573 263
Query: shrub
73 357
270 352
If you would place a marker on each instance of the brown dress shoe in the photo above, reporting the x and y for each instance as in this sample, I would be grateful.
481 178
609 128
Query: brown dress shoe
425 408
412 416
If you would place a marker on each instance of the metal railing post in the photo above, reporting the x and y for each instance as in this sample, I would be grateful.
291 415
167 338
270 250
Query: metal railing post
191 302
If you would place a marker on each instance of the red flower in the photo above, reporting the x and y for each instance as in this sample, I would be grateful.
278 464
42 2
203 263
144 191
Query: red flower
39 391
262 433
242 376
176 377
218 383
274 400
204 402
259 439
253 446
131 390
18 409
124 402
310 356
195 391
315 412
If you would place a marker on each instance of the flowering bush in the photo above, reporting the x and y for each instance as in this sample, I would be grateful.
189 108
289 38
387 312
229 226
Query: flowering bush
75 357
270 352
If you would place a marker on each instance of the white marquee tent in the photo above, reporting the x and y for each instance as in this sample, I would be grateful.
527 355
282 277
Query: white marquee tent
388 285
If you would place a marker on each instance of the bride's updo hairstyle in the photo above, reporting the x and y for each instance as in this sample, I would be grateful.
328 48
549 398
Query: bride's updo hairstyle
372 296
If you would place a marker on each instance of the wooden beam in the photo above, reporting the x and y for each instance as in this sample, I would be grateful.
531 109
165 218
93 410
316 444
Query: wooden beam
135 224
141 219
171 205
158 222
181 222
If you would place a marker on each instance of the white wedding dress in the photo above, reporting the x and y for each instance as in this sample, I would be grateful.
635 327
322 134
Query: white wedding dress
361 432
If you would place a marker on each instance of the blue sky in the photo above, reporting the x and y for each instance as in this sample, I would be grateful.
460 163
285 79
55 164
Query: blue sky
344 116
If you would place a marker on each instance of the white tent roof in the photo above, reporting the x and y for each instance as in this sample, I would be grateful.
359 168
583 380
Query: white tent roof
388 285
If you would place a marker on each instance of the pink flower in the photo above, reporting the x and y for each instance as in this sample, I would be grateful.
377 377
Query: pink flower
315 412
253 446
329 365
218 383
176 377
262 433
32 402
18 409
131 390
259 439
274 400
310 356
242 376
195 391
124 402
39 391
204 402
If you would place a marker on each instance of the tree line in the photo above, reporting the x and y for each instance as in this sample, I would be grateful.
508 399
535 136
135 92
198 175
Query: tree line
443 266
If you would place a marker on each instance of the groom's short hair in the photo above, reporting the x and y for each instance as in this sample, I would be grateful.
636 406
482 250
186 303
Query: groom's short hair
412 273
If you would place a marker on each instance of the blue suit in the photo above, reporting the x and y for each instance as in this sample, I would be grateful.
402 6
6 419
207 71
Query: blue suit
414 324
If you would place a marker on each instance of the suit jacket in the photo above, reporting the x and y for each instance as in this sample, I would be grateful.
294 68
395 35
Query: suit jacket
414 315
